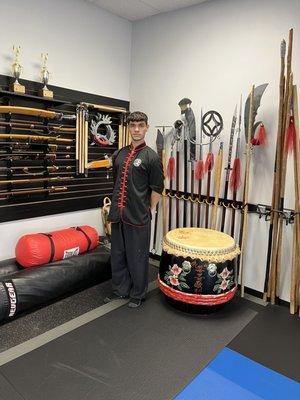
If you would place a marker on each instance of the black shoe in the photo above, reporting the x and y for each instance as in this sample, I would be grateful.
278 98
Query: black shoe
134 303
112 297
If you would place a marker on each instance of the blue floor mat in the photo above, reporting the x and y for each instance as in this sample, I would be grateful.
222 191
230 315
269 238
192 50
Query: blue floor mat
232 376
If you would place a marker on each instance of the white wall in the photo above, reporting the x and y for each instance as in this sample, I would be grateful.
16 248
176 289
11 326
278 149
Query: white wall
89 50
212 53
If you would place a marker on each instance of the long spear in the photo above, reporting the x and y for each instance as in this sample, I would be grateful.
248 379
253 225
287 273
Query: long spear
246 190
273 228
217 185
178 125
199 172
209 162
235 177
228 167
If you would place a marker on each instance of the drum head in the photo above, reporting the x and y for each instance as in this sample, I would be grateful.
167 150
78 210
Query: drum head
205 244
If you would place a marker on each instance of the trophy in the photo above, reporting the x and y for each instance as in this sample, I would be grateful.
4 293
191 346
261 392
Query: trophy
16 69
45 74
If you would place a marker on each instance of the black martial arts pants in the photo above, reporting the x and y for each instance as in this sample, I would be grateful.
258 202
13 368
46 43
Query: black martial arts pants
130 259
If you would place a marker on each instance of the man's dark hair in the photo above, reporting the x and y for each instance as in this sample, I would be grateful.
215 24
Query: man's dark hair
137 116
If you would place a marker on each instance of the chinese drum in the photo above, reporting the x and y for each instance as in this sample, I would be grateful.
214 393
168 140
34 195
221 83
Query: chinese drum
198 268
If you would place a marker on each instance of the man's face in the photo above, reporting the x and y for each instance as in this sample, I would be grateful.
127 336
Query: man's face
137 130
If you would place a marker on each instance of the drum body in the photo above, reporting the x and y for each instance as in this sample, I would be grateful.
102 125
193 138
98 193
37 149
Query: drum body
198 267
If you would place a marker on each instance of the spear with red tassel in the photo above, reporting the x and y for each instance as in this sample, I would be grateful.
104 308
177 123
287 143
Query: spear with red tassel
171 176
178 126
235 177
199 173
208 166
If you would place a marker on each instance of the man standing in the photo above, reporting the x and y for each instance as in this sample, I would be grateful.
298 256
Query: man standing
138 185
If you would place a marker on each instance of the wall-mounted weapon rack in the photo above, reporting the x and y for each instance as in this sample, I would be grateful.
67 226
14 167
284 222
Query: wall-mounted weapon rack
262 210
38 154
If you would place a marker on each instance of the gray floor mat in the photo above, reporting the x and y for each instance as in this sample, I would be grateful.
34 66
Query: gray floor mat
36 322
149 353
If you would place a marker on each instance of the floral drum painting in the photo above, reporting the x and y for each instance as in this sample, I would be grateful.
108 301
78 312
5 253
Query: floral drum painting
197 282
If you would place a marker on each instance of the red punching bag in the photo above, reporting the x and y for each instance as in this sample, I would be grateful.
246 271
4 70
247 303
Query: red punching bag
41 248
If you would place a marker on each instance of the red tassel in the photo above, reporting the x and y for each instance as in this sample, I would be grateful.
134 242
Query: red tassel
235 177
209 162
262 136
171 168
290 137
199 170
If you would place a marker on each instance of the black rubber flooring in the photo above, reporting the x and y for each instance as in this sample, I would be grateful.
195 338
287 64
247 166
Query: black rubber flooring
38 321
149 353
272 339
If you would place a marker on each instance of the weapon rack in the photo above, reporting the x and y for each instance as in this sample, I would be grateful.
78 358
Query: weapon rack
26 159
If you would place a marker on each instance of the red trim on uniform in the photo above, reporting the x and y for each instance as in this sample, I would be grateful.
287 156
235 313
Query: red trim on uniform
125 169
196 299
124 176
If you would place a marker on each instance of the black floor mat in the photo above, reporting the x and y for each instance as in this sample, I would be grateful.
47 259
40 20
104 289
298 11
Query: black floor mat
149 353
36 322
272 339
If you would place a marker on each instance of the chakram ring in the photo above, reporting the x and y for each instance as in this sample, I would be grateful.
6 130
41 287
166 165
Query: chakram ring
101 130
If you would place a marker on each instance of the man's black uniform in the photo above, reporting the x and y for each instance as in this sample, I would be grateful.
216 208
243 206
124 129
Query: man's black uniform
136 172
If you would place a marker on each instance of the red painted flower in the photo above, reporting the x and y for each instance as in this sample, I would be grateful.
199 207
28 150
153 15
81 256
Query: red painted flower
224 284
174 281
176 270
225 273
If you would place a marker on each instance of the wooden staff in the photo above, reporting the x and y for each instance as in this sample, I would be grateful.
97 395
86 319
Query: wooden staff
86 142
103 107
295 273
217 186
37 112
78 127
120 133
277 242
21 192
276 178
25 181
34 137
20 146
286 117
246 192
36 127
36 156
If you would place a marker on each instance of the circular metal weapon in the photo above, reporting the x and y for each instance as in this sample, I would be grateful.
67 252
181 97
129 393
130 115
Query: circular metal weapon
212 123
101 130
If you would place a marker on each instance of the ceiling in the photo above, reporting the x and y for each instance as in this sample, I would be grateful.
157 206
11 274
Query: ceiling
134 10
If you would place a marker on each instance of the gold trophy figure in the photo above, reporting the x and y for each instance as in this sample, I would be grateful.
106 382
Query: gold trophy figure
45 75
16 70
